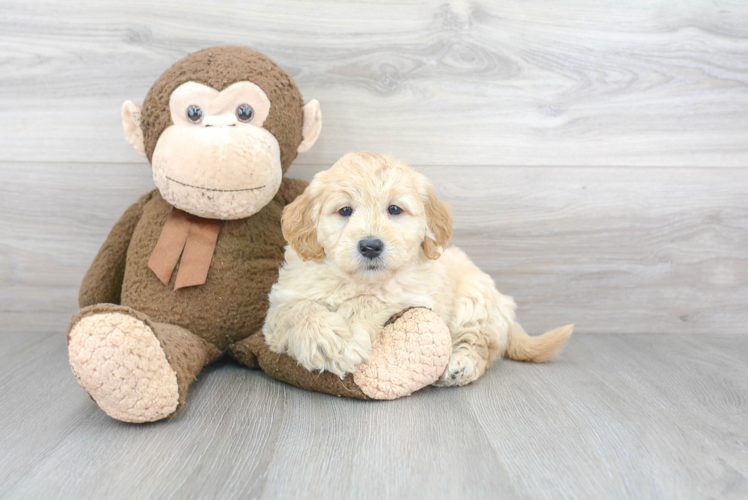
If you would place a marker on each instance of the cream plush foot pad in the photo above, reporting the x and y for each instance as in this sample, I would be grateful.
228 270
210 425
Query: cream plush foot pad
410 354
121 364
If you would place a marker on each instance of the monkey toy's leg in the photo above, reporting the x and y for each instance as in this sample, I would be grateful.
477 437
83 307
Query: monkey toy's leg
135 369
410 353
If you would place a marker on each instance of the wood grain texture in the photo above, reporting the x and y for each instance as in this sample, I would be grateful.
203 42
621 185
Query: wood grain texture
618 416
613 250
583 83
648 426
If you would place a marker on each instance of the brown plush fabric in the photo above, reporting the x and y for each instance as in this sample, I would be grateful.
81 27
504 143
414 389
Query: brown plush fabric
243 352
103 280
286 369
219 67
187 354
290 190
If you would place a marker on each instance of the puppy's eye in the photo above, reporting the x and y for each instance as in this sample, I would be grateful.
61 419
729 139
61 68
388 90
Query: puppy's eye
346 211
395 210
194 114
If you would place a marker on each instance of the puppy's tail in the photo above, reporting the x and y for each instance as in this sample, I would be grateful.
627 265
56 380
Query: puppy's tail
538 349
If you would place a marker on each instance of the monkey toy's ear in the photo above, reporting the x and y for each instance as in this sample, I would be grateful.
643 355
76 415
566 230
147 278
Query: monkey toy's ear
131 124
312 125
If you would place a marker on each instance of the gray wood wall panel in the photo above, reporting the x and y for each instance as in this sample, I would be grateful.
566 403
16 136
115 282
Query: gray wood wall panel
595 153
615 250
585 82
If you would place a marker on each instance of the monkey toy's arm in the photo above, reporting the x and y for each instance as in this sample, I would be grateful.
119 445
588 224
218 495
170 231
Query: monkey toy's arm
103 281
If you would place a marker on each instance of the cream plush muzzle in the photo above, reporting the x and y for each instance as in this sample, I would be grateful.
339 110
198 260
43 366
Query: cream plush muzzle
218 172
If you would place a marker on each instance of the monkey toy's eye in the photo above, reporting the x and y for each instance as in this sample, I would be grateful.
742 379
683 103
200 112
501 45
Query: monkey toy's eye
346 211
394 210
245 113
194 114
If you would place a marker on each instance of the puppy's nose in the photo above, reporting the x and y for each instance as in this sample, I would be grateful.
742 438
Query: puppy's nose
370 248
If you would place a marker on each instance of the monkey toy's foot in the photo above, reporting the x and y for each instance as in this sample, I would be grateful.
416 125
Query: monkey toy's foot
135 370
119 361
411 352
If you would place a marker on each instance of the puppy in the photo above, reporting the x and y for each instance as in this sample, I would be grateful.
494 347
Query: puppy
367 239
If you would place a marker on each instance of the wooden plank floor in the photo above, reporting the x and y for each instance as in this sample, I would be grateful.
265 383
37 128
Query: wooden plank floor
615 416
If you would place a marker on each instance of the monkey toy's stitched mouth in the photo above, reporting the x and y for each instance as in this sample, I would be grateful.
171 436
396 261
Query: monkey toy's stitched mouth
211 189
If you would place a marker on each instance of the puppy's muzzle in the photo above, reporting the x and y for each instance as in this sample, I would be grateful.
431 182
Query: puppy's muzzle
370 248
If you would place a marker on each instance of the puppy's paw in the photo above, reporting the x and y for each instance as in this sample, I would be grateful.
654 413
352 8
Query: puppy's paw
461 370
346 361
332 349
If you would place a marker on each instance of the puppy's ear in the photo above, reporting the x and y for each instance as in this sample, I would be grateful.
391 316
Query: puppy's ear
300 227
439 223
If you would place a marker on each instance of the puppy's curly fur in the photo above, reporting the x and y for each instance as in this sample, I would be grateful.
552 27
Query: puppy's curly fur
333 295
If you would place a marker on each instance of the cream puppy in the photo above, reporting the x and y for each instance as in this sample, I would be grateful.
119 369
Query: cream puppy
367 239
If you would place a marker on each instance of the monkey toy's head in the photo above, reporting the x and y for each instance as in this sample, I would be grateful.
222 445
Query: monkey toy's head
220 128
